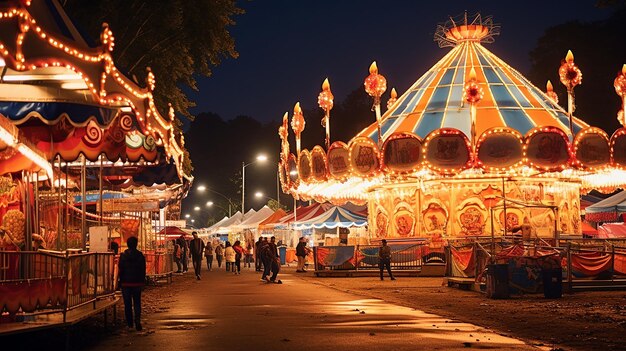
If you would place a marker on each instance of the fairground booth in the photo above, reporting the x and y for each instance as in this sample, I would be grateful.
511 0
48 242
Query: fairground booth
86 160
470 153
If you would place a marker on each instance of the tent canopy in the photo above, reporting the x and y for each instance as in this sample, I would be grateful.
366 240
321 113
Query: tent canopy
333 218
174 232
253 220
607 210
268 223
612 230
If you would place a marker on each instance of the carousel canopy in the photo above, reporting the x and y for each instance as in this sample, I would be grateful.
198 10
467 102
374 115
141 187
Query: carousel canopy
436 100
333 218
470 116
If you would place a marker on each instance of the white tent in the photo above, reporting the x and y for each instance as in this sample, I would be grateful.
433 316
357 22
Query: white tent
223 226
253 221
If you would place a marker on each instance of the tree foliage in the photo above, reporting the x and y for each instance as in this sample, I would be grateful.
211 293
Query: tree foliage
598 51
177 39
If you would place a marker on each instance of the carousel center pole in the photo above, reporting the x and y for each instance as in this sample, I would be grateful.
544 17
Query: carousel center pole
83 202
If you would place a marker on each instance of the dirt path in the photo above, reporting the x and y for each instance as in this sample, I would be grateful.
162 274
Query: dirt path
580 321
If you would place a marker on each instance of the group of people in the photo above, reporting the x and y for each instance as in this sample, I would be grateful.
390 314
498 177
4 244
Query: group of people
196 249
267 259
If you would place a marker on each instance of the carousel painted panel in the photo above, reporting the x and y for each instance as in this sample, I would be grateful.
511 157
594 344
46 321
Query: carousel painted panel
292 171
500 149
402 153
305 169
318 164
447 150
338 160
364 157
547 148
471 218
591 147
404 205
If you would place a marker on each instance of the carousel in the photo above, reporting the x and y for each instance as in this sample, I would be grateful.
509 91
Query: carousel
471 149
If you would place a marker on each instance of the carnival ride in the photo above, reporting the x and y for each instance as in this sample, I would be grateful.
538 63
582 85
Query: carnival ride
470 136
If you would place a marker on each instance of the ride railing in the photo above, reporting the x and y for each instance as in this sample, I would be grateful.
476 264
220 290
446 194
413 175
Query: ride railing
41 282
582 262
410 256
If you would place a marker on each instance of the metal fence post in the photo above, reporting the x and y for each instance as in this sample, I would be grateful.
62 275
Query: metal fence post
67 285
569 266
95 285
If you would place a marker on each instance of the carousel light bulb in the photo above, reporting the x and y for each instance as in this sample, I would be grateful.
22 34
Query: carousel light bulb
326 85
373 68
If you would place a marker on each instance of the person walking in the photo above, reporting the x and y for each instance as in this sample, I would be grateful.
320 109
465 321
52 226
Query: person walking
301 252
229 256
185 251
132 277
239 253
196 247
384 259
208 255
249 252
257 257
178 255
269 255
219 254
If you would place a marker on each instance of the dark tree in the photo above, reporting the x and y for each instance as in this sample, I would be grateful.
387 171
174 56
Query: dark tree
599 52
176 38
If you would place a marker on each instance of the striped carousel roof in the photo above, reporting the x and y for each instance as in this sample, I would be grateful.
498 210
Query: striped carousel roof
436 99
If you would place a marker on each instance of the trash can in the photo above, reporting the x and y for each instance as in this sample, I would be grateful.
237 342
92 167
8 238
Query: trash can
282 251
498 281
552 283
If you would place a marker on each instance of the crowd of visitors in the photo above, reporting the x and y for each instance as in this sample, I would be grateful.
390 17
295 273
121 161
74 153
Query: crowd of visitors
264 253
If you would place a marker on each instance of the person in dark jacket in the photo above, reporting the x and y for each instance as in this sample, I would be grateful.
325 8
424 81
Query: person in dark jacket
384 259
185 248
269 254
132 276
301 252
257 257
196 247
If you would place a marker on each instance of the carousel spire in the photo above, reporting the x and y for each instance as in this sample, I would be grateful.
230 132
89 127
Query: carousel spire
283 132
570 76
375 86
297 125
325 101
392 100
550 92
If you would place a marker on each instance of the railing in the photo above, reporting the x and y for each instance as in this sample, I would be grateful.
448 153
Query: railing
365 257
158 264
47 282
583 262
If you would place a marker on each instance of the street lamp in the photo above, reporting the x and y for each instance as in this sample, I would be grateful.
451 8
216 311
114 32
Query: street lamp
187 215
259 158
260 194
203 188
211 204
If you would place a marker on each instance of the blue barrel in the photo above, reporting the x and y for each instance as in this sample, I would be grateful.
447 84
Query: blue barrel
282 251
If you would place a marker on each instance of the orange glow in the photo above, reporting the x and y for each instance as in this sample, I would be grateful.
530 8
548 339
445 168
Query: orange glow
394 94
373 68
569 57
549 86
326 85
472 75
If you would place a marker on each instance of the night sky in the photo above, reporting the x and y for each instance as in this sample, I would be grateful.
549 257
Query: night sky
287 48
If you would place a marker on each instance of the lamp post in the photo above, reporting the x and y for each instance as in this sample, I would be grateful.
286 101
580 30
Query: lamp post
259 158
202 188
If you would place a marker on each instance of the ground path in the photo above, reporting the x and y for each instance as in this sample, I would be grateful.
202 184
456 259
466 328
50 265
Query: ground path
227 312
